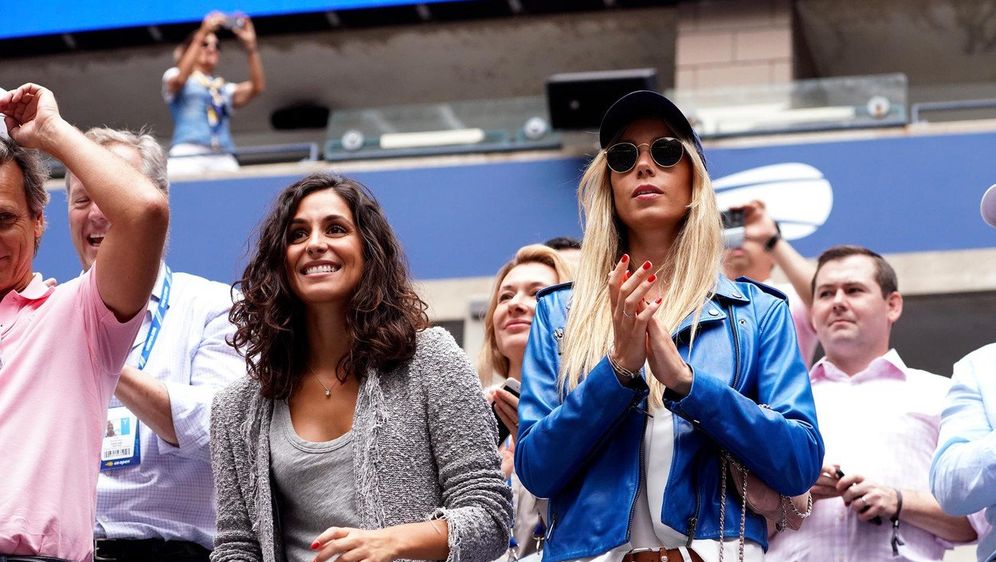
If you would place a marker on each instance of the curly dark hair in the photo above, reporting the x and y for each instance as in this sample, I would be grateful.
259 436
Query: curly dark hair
384 314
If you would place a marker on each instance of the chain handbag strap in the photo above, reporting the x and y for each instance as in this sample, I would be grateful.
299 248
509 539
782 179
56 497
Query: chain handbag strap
727 462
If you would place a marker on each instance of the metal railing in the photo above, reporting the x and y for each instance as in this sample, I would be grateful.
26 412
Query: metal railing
958 105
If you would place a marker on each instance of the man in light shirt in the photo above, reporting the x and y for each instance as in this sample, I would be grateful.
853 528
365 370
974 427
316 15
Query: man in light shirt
61 348
879 420
963 476
155 495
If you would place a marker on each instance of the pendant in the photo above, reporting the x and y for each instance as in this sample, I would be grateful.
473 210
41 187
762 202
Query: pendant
328 393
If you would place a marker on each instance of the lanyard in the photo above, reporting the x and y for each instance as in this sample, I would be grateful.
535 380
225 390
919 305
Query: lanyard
157 319
216 109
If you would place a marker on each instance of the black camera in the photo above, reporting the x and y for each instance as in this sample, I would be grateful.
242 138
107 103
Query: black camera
733 228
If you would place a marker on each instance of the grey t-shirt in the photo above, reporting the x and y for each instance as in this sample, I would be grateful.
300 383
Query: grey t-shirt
316 487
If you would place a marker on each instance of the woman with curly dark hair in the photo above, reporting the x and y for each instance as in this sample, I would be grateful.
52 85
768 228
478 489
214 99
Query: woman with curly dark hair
360 433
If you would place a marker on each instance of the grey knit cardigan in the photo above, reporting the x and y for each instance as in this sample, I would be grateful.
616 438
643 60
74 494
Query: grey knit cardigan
423 448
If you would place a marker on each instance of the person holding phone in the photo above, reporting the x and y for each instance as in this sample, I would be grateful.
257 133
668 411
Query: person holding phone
506 330
755 253
202 103
880 420
360 432
643 379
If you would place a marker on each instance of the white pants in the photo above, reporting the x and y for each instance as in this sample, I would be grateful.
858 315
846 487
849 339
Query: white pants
194 160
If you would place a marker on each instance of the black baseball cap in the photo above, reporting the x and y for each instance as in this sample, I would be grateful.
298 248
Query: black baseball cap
644 104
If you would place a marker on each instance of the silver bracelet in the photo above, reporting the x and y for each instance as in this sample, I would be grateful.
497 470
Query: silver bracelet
623 371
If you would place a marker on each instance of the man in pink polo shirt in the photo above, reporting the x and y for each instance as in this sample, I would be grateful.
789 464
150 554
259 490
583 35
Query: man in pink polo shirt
61 349
879 420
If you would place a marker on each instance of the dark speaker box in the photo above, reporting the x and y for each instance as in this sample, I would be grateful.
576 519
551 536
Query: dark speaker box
578 100
303 116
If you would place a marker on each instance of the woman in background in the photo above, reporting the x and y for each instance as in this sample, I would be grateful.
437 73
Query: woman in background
506 330
360 433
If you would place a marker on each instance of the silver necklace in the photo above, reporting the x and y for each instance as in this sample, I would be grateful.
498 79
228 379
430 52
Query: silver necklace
328 391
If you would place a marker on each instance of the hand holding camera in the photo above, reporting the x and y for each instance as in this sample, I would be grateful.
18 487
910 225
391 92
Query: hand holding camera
242 27
749 222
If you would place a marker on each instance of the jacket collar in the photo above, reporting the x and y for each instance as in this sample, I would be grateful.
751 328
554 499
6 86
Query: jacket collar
724 290
728 290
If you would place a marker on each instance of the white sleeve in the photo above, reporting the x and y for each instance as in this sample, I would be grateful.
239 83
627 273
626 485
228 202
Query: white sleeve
167 76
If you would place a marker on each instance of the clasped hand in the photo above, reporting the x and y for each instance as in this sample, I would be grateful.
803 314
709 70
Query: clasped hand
638 336
30 112
866 498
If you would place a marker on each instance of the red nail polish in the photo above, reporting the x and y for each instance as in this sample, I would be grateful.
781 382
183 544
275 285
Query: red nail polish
315 545
626 276
659 300
625 258
652 278
646 265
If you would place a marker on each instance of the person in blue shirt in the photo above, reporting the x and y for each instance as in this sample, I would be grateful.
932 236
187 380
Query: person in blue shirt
651 375
963 475
201 103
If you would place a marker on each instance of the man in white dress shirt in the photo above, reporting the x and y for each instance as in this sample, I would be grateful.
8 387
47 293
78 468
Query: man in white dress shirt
155 495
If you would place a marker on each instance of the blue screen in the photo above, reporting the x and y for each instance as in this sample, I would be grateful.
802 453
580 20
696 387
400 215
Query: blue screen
45 17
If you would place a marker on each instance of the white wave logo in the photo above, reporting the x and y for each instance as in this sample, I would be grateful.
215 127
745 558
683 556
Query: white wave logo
795 194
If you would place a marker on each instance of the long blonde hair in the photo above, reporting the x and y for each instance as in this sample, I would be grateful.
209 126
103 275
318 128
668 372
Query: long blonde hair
690 272
491 359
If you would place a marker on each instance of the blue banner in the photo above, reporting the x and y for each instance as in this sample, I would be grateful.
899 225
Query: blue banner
900 194
45 17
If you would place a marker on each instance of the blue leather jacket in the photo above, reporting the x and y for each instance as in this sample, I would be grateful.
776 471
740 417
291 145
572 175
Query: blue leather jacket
584 450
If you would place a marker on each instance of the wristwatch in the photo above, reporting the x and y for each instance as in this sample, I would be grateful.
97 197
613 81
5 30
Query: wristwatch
771 242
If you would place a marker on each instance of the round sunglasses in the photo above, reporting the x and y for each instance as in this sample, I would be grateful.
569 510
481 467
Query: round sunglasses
622 156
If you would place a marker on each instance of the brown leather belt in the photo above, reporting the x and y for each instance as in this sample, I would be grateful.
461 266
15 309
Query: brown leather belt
658 555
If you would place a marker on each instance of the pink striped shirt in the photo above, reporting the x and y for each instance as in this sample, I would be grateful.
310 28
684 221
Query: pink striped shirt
62 352
881 423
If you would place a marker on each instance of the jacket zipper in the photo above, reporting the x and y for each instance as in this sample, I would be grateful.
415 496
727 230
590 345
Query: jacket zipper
694 519
736 347
639 480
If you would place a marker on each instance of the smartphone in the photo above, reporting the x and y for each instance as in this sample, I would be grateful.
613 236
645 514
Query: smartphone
733 228
732 218
233 21
511 386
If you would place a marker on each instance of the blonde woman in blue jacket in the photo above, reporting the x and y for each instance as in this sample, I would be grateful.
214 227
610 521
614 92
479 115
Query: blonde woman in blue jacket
641 378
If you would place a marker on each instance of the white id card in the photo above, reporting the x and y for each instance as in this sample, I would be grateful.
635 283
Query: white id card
120 447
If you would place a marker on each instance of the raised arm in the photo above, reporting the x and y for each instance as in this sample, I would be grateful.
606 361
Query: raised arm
129 257
246 91
761 227
211 23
